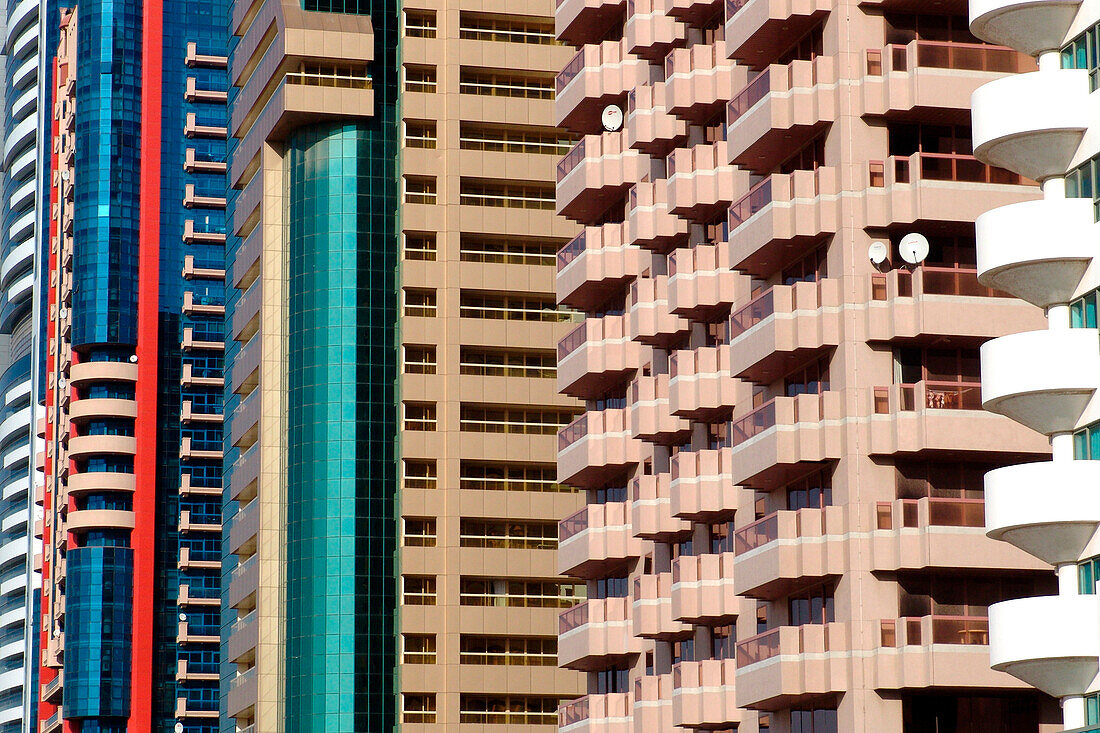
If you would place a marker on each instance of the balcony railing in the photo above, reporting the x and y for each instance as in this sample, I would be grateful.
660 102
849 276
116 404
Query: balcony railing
571 251
942 512
758 648
573 618
757 534
573 525
951 167
732 6
916 631
574 711
760 308
961 57
572 341
570 72
756 199
571 160
752 424
341 81
573 432
748 97
955 281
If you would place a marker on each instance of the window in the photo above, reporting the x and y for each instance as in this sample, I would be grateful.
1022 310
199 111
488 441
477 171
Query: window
505 306
1082 311
420 190
723 642
1081 183
814 491
420 79
514 534
721 538
418 649
420 23
510 250
420 134
516 420
940 479
420 532
965 595
507 194
504 84
420 246
418 707
514 139
810 379
809 268
330 75
814 720
612 681
1086 443
506 28
508 363
419 416
419 590
514 651
510 477
519 593
508 710
419 474
611 587
419 359
812 606
1084 53
419 303
1088 574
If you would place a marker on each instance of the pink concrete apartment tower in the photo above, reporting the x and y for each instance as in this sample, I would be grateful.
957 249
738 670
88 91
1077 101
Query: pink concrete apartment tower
784 445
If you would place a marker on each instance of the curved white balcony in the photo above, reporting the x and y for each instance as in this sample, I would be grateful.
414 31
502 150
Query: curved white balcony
1050 642
1049 510
1041 379
1032 123
1036 250
1032 26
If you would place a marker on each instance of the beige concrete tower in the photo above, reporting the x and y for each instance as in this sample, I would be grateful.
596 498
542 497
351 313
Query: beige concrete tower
784 444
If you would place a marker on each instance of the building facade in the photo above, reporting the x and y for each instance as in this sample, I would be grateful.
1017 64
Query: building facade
132 425
784 441
389 355
1043 125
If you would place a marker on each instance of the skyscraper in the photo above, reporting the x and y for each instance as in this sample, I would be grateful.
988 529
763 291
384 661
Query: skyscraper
132 427
1043 125
784 444
390 356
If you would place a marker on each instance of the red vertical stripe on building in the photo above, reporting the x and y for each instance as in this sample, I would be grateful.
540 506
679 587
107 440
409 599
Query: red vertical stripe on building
145 426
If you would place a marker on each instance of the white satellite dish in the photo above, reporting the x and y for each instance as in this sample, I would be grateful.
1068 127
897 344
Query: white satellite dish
877 252
612 118
178 728
183 617
913 248
63 313
133 358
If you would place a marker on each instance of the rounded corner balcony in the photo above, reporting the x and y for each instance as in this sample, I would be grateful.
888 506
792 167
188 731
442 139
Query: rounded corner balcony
1011 258
1032 26
1049 510
102 371
1049 642
1033 123
1041 379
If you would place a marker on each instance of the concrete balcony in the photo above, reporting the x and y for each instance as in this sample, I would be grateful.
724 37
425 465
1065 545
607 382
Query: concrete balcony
85 446
1039 138
99 408
650 418
243 694
187 524
701 283
1042 379
102 371
701 386
650 30
596 173
701 183
586 21
648 221
1009 260
596 634
596 540
609 713
929 418
184 674
652 612
598 75
699 79
649 125
651 319
702 484
777 668
82 483
780 110
1049 642
1032 27
782 327
778 553
1050 509
704 694
759 30
653 703
702 589
243 638
92 519
922 75
595 447
596 355
596 264
651 509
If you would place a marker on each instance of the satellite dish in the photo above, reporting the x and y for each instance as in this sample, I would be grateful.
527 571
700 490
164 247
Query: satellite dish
183 617
63 313
913 248
612 118
877 252
64 175
178 728
133 358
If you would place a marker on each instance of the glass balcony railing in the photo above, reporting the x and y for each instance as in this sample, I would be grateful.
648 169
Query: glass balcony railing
756 199
748 97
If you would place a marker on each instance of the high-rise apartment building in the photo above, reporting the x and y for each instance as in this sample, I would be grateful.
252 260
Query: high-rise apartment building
784 444
1044 125
390 355
131 537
